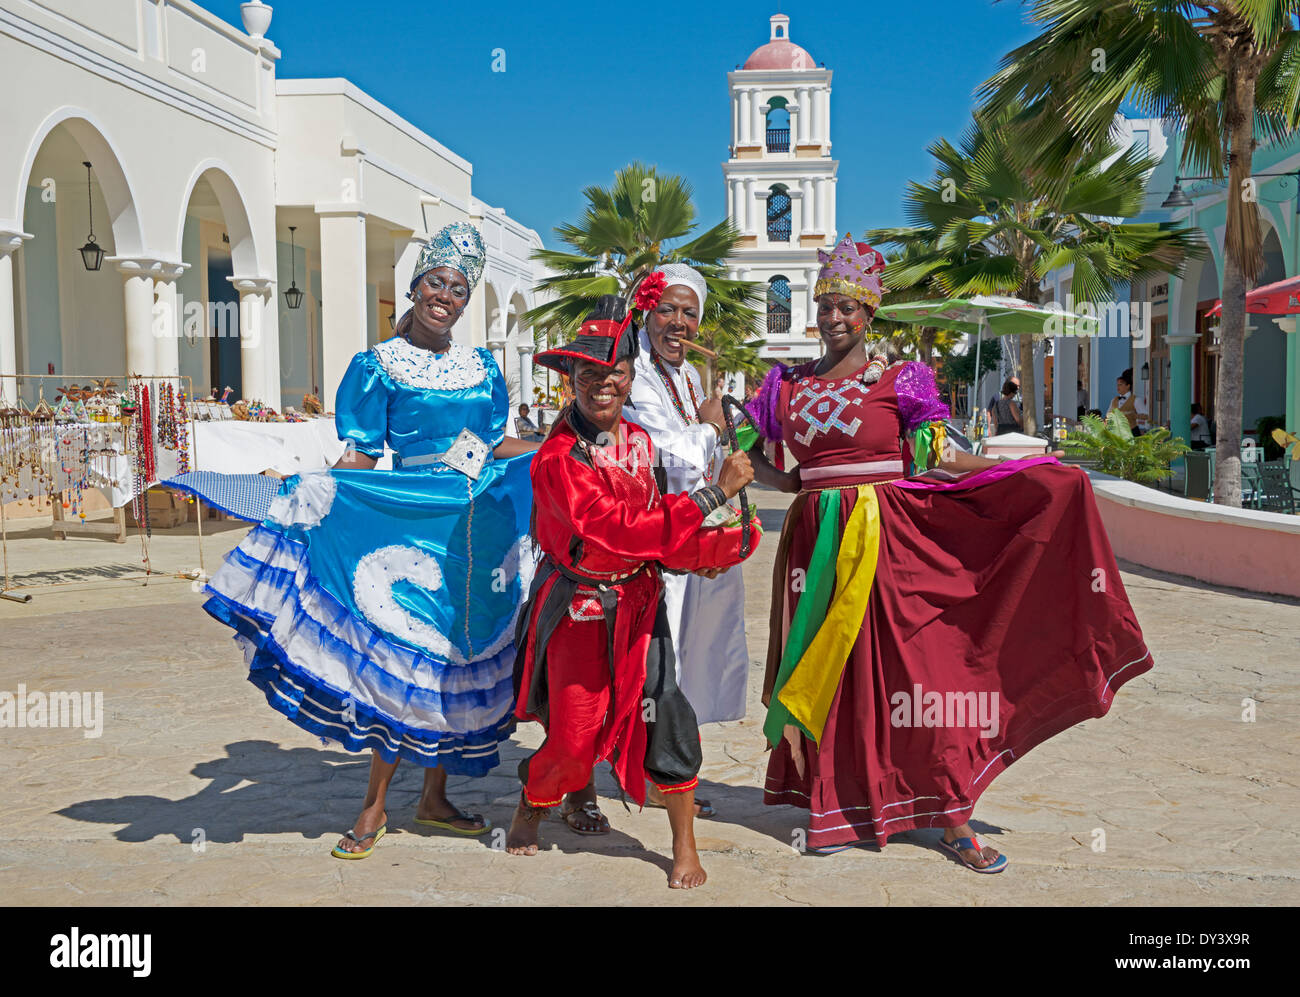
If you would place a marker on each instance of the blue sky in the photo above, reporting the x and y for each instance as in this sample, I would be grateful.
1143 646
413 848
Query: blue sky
590 88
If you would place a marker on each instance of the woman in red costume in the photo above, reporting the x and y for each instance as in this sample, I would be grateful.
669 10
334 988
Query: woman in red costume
925 631
596 663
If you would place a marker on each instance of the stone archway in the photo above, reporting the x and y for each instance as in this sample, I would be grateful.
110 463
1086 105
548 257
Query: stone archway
215 312
71 319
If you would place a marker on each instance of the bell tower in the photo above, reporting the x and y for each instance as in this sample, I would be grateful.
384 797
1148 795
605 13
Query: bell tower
780 181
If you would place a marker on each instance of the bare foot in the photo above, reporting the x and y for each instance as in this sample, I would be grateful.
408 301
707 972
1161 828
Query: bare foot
687 872
981 859
370 819
522 837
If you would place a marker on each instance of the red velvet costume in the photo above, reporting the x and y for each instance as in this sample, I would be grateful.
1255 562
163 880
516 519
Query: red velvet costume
595 649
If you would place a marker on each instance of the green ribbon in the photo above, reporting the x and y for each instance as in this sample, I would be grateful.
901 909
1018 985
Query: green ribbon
819 586
921 446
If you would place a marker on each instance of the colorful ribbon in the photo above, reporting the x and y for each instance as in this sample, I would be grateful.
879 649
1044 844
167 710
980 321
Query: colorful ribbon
822 637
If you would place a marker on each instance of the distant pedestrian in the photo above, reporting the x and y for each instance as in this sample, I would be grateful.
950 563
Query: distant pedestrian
1004 412
1128 403
1200 428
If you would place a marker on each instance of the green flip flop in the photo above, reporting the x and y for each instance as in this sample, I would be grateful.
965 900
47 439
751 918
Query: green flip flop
351 835
445 823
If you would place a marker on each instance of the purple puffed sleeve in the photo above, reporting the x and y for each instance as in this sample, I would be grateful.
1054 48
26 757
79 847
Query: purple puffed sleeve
763 407
918 396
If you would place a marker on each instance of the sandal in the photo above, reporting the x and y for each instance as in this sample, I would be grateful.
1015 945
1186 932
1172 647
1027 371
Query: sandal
351 835
445 823
591 811
958 845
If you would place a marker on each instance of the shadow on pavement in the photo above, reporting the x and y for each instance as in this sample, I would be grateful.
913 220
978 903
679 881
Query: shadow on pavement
262 788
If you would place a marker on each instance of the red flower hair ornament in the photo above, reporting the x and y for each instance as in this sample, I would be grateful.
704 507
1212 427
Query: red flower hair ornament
650 290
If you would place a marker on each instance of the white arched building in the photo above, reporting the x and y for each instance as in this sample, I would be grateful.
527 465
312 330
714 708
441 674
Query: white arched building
780 181
201 162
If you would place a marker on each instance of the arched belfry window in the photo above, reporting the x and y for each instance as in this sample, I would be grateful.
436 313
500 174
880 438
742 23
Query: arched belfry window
778 125
778 306
778 214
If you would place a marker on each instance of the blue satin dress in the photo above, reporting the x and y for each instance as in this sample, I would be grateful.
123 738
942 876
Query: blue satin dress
377 608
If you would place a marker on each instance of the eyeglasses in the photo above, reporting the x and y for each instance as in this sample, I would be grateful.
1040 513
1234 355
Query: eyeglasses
458 291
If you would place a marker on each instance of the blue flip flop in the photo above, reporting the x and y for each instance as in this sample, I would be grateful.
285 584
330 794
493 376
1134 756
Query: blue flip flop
959 844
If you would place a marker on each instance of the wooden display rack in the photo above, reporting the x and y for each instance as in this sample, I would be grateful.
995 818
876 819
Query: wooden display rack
116 528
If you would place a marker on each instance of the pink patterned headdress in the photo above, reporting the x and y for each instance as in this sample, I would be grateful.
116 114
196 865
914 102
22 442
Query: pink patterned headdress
852 269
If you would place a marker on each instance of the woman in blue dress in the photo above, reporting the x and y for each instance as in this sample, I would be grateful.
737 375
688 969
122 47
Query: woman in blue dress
377 608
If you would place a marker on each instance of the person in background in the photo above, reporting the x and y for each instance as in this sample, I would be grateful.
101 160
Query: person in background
993 402
1082 400
1200 428
525 427
1133 408
1004 412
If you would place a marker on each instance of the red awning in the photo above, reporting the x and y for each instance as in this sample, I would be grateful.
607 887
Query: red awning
1281 298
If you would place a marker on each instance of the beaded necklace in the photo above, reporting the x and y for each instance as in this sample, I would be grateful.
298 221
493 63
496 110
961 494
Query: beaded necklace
667 379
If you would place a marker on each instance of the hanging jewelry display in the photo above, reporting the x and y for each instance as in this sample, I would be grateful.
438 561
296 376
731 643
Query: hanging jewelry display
182 419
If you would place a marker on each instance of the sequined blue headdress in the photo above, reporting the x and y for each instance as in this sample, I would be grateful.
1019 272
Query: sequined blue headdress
458 246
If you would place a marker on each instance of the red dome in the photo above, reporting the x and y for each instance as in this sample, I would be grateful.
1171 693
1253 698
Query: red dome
779 54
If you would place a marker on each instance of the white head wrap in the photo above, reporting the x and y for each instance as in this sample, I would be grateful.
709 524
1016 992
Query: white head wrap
680 273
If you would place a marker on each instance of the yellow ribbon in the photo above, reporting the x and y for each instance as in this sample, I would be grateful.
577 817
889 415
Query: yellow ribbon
811 687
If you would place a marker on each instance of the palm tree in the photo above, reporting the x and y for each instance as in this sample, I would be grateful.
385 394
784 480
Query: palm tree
1216 71
624 234
986 226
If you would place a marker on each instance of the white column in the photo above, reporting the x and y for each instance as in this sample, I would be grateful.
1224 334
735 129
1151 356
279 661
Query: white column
496 336
167 320
526 372
826 118
821 206
751 212
818 131
745 118
137 292
9 242
812 298
832 198
756 119
809 208
734 203
735 121
259 339
406 252
343 293
805 114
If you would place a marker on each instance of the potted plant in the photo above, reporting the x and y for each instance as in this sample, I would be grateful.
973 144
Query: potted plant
1109 445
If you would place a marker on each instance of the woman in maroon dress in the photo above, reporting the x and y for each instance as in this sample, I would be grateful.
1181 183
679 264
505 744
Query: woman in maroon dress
925 631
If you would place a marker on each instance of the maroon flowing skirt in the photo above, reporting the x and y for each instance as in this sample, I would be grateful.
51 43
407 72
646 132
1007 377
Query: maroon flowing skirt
1003 585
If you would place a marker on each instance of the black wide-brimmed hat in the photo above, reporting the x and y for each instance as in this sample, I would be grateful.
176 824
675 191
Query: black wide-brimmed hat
602 338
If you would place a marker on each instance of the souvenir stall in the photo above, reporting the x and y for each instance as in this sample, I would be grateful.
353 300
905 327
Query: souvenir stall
75 439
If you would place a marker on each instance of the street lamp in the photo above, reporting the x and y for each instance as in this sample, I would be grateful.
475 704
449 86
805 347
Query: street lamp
1178 197
91 253
293 296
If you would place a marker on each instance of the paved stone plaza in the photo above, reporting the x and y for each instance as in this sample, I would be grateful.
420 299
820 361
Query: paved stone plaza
1196 805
